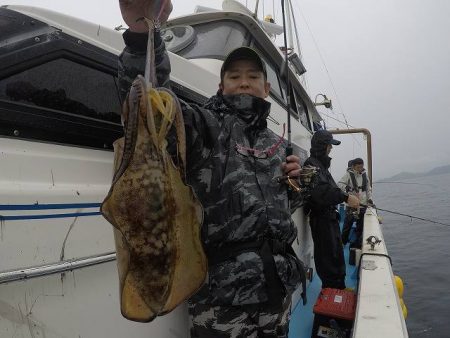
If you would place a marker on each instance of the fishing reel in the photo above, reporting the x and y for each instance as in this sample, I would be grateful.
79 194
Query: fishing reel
354 213
306 183
308 176
308 180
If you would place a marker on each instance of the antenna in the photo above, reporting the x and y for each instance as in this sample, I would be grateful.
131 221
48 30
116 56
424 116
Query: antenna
289 26
256 9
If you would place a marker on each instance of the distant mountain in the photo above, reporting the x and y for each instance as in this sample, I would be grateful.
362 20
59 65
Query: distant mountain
439 171
404 175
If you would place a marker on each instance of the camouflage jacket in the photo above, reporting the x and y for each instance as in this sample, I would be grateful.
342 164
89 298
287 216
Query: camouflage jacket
242 202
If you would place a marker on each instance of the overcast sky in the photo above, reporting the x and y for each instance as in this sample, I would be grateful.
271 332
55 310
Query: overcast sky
388 61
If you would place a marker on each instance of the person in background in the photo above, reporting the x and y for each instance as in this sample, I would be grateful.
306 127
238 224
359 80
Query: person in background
349 165
324 218
356 182
233 158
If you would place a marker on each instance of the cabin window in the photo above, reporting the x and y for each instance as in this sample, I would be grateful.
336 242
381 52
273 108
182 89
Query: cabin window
302 111
293 103
213 40
65 86
279 93
272 78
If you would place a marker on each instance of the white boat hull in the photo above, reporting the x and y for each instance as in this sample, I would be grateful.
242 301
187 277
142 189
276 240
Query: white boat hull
46 242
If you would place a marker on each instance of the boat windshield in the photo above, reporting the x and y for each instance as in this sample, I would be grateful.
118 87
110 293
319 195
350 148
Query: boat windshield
214 41
211 40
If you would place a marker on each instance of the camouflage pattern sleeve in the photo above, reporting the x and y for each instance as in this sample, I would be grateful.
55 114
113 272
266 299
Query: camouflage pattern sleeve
132 61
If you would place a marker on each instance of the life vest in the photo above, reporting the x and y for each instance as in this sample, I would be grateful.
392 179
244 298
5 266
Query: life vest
357 188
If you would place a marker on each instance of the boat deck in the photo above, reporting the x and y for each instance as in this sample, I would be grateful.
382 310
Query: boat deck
302 317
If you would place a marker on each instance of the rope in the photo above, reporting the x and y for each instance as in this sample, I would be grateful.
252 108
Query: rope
321 58
345 123
162 5
337 120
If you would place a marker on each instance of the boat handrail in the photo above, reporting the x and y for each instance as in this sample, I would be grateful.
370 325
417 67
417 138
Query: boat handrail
368 136
378 298
55 268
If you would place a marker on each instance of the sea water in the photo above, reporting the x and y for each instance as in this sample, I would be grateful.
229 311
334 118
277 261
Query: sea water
420 250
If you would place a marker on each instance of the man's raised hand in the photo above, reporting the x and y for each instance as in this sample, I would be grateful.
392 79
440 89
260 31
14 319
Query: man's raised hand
133 10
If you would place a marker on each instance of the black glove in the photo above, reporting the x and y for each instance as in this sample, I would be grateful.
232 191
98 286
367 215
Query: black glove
370 203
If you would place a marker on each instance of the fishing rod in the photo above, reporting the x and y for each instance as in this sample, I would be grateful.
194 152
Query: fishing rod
406 215
289 149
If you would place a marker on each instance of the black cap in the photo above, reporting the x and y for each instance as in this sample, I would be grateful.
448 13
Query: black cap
243 53
357 160
324 137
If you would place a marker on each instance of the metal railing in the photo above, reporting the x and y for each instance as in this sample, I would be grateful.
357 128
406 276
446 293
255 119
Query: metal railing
366 132
55 268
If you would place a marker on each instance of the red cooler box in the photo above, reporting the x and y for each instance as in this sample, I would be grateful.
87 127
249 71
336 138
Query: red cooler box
334 313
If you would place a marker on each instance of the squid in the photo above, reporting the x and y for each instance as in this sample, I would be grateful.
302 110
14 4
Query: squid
156 216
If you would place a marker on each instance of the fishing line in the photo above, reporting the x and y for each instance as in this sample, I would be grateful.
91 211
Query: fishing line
410 216
321 58
401 214
337 120
398 182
